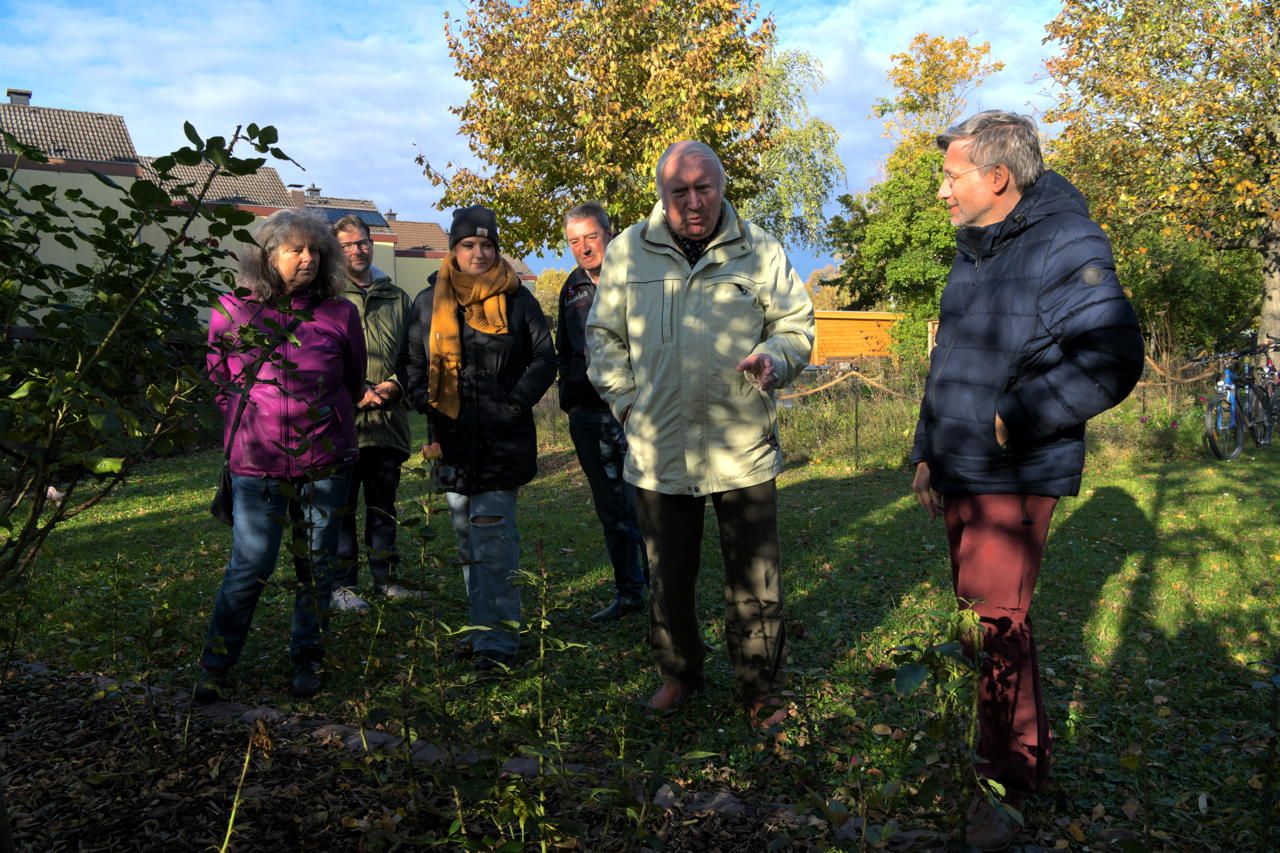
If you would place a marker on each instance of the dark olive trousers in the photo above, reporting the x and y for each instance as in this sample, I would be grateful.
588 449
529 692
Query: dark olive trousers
754 624
996 543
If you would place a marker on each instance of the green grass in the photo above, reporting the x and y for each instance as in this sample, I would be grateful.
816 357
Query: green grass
1157 595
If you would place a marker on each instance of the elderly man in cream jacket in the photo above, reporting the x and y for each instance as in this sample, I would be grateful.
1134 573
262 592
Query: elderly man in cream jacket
699 316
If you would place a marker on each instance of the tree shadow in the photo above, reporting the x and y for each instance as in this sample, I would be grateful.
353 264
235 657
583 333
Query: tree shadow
1148 689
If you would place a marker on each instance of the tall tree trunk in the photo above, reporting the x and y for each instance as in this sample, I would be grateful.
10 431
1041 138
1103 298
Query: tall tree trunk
1270 249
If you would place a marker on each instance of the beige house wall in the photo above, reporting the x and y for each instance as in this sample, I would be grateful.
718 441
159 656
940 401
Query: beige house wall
53 252
411 272
384 257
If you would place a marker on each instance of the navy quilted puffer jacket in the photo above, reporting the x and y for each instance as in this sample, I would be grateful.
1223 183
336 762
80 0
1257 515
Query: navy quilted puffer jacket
1035 326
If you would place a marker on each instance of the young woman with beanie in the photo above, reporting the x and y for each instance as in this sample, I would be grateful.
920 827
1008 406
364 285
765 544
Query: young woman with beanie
480 358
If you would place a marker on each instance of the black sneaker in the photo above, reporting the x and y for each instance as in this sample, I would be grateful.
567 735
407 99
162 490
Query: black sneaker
212 685
620 607
489 663
306 679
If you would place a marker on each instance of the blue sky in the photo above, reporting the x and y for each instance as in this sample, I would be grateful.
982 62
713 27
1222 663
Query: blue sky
358 90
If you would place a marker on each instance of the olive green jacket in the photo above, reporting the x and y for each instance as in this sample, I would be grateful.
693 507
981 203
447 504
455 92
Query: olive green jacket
384 313
664 340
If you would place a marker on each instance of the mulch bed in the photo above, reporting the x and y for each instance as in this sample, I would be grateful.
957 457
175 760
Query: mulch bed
87 765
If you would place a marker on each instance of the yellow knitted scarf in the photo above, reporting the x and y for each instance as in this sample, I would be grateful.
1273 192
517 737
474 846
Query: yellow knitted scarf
485 311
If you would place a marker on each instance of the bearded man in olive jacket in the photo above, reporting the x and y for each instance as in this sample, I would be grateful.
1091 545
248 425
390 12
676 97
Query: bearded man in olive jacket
382 424
698 317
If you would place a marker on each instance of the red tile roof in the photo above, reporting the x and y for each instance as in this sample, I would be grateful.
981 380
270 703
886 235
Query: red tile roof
430 237
420 236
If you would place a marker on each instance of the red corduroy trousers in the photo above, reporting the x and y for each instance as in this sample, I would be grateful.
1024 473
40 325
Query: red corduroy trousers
996 543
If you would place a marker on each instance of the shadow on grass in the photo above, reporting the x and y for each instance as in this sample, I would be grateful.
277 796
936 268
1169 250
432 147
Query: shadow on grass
1150 632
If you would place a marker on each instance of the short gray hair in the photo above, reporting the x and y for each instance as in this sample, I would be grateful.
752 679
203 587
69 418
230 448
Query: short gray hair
687 148
590 210
1001 137
257 260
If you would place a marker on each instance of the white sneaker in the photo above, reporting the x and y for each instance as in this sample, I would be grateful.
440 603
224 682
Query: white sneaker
395 590
345 599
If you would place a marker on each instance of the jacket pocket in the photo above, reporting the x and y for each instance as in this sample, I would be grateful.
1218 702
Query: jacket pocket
651 309
733 310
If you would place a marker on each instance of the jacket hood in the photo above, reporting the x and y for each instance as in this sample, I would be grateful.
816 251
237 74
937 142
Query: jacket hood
1050 195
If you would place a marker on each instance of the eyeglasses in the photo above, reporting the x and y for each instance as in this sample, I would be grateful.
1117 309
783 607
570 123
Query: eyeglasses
355 245
951 179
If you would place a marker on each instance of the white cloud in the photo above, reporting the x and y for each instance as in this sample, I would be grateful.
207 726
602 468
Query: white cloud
353 90
349 98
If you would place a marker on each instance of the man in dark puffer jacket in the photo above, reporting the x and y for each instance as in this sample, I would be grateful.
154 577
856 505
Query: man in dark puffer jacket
1035 337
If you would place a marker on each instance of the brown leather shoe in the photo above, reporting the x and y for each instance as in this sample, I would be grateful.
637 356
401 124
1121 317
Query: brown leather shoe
669 695
988 827
779 710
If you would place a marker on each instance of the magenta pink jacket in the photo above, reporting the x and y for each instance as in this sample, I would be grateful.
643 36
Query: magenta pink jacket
301 410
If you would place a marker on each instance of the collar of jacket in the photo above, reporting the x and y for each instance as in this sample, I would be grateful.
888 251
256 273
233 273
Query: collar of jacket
731 241
380 284
1049 195
578 278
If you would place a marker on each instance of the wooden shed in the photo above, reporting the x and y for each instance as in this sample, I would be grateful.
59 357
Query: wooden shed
846 335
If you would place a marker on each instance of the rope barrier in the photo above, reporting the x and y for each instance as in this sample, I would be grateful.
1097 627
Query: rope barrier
845 378
1169 380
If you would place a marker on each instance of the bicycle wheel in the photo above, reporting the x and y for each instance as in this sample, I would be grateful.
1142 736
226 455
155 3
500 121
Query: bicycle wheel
1223 427
1260 424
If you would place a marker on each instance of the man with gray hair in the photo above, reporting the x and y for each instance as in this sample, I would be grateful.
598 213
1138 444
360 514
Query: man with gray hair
597 436
1035 337
699 316
382 424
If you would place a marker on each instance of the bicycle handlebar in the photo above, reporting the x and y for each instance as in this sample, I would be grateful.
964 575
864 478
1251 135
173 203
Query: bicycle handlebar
1231 356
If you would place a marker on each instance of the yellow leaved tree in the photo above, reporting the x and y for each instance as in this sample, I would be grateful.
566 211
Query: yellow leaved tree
576 101
1171 120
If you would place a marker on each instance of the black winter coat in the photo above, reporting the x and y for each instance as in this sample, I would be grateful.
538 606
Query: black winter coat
492 445
576 296
1035 326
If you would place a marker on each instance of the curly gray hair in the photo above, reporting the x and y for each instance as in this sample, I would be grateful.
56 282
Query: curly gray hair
257 260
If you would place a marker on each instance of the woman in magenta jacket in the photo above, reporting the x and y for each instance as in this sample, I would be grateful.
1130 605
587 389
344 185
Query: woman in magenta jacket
291 452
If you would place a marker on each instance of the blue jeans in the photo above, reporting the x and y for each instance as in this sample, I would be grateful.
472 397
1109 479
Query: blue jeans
602 450
261 514
490 553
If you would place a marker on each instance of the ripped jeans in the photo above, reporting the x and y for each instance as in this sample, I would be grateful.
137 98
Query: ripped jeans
490 553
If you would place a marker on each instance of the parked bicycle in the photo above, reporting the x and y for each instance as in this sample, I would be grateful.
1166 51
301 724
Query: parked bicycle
1238 403
1269 381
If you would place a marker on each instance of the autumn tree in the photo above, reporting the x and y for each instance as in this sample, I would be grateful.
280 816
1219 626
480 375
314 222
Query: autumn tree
894 241
576 101
547 289
800 169
824 296
1188 296
1171 121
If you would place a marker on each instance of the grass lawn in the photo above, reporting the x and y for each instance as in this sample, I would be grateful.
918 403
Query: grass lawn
1157 597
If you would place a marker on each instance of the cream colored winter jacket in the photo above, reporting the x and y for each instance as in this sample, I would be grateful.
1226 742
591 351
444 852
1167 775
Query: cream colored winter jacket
664 340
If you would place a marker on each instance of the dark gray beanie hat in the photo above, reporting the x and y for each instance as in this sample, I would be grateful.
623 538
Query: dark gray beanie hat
473 221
